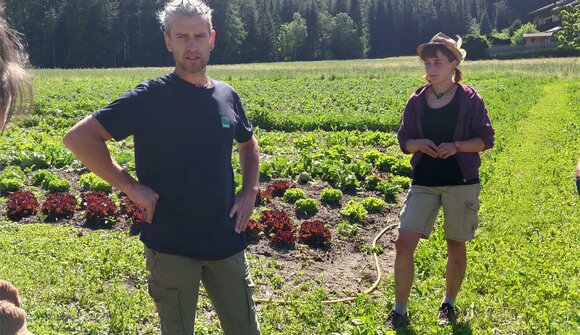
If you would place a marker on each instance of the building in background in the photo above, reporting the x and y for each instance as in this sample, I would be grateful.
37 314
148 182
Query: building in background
549 21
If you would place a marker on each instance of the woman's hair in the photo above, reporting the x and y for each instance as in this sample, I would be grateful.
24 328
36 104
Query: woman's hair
15 85
430 51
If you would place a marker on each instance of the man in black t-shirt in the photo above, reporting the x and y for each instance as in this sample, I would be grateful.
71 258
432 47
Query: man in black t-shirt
183 126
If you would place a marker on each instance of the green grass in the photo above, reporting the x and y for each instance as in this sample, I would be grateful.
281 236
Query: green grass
370 68
523 270
526 262
73 280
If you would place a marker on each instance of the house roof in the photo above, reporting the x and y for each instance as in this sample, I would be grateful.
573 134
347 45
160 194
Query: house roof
564 4
555 6
542 34
553 30
542 9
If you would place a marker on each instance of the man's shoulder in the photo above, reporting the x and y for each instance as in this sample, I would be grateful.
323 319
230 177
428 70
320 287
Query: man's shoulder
223 87
155 85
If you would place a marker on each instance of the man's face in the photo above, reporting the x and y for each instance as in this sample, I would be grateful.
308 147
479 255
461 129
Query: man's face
191 42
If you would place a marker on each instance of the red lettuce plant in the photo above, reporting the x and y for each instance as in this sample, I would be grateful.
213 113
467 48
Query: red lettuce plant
279 227
132 211
20 205
263 197
254 227
314 233
277 187
274 221
59 206
284 238
99 209
253 230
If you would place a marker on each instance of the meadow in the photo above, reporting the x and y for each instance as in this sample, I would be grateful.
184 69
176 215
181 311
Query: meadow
334 123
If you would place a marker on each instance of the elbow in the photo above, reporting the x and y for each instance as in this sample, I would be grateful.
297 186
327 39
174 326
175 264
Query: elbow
83 133
69 139
403 145
489 140
488 143
251 146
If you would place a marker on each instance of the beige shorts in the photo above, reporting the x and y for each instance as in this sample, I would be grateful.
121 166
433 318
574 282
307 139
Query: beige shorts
460 205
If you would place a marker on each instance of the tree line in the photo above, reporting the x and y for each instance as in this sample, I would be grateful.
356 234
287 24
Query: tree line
125 33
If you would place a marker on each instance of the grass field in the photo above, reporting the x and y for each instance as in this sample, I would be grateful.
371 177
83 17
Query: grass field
523 272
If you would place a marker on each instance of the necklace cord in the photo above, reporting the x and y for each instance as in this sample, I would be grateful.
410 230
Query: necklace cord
439 96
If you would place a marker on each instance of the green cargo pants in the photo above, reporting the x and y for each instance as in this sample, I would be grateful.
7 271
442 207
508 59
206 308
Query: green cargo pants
174 286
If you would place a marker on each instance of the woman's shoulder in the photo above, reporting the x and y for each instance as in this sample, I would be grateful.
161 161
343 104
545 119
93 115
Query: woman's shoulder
469 92
419 92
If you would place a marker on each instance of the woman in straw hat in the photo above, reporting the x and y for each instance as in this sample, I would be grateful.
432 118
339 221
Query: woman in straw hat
15 87
445 125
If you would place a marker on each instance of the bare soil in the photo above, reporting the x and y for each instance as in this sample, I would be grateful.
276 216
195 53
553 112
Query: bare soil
346 267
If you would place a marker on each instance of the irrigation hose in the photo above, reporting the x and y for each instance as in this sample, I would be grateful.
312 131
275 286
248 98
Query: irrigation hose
328 302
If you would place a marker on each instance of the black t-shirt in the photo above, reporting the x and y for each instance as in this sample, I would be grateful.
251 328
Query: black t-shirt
183 138
438 126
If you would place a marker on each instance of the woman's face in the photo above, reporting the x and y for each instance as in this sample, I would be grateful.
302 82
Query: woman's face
439 69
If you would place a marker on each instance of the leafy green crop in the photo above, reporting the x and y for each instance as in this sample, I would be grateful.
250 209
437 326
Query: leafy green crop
293 194
92 182
12 179
58 185
42 178
373 204
306 206
9 184
354 211
331 195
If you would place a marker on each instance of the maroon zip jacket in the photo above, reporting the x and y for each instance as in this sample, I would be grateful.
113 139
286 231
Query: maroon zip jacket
472 121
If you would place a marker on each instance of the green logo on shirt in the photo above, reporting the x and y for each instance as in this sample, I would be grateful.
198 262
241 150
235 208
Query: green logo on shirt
225 122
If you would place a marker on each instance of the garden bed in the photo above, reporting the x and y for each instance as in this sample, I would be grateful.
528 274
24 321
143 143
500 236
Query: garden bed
344 265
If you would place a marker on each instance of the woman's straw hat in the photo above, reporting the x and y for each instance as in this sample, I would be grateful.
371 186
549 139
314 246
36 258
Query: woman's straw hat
451 44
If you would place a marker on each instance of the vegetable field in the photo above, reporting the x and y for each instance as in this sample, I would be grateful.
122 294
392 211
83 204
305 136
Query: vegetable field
332 177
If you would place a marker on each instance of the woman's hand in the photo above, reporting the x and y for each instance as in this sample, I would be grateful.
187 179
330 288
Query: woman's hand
424 145
446 150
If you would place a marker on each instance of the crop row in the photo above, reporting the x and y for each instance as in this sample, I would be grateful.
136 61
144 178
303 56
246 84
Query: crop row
288 104
14 179
100 209
294 194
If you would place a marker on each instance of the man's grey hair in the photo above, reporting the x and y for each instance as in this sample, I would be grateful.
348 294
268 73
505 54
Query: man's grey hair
180 8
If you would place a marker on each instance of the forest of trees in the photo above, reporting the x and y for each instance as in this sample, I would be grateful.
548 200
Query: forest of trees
115 33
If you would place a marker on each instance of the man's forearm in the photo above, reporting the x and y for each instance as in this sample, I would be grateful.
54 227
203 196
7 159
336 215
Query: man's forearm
90 148
250 164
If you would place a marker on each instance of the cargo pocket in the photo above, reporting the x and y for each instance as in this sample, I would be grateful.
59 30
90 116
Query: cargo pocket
472 207
167 301
405 204
253 322
150 259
